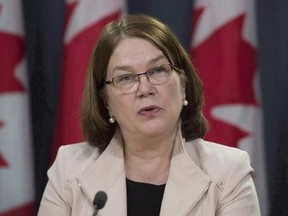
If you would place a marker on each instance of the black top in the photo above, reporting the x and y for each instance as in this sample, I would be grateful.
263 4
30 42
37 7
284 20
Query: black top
144 199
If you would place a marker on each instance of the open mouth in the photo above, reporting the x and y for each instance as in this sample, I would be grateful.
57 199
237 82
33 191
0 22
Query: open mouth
149 111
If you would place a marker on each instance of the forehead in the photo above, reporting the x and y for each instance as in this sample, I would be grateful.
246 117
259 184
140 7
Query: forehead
133 52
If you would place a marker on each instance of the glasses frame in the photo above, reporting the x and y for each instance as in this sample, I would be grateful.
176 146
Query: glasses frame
173 67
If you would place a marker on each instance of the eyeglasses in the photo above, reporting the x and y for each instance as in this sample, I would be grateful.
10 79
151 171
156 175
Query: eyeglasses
156 76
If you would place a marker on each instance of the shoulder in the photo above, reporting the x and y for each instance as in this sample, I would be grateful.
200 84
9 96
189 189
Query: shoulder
214 151
78 152
73 159
218 161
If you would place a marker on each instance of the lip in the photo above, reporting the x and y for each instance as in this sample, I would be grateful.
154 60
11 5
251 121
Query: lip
149 110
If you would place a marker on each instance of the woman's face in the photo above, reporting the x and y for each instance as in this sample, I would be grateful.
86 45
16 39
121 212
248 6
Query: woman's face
149 110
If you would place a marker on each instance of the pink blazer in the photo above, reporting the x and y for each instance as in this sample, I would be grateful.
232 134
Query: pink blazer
205 179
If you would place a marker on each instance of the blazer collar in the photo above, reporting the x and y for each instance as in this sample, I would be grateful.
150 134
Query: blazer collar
186 183
107 173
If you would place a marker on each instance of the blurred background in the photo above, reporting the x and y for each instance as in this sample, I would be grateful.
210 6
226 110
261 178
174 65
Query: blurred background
239 47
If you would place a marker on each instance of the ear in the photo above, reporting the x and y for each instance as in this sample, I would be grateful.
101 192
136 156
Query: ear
104 97
183 90
108 108
183 80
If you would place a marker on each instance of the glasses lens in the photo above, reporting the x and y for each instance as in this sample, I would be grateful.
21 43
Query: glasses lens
160 74
125 81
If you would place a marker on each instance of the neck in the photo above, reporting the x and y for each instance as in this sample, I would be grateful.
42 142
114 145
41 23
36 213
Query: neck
149 160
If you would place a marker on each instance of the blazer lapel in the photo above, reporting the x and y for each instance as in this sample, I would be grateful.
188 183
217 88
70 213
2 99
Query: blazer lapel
107 174
186 184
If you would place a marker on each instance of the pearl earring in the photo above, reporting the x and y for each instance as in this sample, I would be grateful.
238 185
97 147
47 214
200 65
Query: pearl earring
112 120
185 102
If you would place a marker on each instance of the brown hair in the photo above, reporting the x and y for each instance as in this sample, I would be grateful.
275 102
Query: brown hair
96 128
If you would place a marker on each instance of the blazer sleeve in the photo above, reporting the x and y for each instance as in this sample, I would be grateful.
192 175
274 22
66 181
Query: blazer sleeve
239 197
54 200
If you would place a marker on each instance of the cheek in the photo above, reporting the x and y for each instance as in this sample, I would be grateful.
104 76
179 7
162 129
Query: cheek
118 105
172 99
176 92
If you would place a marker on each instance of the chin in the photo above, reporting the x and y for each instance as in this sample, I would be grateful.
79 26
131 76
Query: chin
155 129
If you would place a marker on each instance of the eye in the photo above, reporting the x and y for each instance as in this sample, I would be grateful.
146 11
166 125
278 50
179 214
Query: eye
125 78
158 69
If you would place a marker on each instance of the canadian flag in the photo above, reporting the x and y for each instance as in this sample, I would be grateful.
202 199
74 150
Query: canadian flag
84 21
16 167
224 50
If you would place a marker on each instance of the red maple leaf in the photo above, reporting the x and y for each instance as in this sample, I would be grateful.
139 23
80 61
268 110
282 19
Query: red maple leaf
24 209
226 65
3 163
11 53
76 53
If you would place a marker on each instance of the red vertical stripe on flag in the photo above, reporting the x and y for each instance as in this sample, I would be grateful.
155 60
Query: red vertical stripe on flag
76 55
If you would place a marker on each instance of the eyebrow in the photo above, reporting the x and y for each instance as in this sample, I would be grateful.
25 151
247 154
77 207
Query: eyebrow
129 68
157 58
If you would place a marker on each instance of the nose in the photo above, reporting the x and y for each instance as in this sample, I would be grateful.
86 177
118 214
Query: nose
145 88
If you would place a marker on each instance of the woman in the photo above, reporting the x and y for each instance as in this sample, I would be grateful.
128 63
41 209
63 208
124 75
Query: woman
143 123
